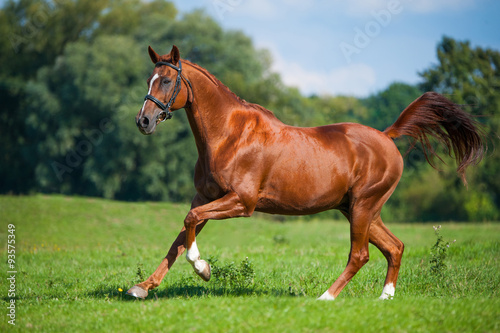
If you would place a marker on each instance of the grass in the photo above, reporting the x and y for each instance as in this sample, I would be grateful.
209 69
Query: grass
74 255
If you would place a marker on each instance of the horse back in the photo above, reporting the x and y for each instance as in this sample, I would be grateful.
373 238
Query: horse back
307 170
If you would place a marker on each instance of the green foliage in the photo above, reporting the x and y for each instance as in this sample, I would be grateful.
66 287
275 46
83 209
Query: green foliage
471 76
386 106
73 255
140 273
73 74
238 277
480 207
439 251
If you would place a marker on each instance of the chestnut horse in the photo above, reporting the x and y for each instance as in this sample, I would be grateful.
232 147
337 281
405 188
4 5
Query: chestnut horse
250 161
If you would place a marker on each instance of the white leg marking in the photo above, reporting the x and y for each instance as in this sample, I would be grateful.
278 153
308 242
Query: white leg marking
192 253
388 291
326 297
149 91
193 257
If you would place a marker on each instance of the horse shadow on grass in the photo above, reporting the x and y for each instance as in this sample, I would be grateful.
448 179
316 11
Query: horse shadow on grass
186 292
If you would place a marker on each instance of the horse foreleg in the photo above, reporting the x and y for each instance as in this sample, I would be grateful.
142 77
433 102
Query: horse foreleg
176 250
201 267
392 248
226 207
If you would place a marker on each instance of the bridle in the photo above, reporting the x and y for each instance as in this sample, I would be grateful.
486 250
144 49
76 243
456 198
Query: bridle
166 113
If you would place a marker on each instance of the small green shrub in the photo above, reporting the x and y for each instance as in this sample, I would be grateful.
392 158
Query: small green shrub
233 276
437 260
140 273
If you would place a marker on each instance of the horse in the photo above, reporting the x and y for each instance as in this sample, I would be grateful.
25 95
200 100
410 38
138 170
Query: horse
250 161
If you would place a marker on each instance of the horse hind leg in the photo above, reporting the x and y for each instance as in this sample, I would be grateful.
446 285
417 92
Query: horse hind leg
360 220
366 226
392 249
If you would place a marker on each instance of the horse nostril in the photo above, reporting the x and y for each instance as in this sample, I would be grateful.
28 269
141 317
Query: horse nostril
144 122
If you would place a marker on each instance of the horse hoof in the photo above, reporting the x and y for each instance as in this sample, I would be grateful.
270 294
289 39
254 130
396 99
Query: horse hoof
137 292
206 272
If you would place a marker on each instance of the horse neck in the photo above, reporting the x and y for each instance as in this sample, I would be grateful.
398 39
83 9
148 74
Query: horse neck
212 106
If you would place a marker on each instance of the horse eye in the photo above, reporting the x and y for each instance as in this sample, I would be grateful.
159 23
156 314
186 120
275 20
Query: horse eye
165 80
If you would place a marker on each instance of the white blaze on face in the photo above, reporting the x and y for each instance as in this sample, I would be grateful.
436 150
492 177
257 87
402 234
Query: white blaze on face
149 91
388 291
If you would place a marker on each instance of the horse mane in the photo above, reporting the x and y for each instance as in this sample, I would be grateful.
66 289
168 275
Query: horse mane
219 84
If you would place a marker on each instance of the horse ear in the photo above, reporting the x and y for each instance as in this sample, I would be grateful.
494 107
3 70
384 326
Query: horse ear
155 57
175 55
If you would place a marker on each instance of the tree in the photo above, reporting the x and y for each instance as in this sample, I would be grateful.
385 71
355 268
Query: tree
70 101
386 106
73 76
471 76
33 34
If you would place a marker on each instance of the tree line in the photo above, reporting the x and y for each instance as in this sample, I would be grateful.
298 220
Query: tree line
73 75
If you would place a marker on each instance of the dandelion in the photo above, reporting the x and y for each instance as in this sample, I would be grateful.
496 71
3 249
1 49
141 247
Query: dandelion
120 289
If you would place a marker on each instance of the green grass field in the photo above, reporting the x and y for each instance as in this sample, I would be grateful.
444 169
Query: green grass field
74 255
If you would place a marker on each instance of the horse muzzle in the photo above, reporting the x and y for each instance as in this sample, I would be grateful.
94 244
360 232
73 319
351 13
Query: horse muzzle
145 124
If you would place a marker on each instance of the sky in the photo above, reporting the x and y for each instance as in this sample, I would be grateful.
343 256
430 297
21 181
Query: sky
355 47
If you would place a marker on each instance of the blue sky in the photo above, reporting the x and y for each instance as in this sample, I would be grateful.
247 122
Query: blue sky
355 47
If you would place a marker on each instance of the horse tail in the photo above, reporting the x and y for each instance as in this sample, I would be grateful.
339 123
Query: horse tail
433 115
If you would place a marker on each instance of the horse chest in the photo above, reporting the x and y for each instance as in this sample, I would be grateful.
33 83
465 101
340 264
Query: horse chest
210 190
206 185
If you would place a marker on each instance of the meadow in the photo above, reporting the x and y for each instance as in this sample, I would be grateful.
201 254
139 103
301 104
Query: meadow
75 257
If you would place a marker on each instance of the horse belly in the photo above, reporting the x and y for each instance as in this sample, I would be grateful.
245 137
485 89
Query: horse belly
303 189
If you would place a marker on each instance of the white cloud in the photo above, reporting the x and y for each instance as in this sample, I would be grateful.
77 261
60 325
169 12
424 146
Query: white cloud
354 79
223 9
278 9
429 6
299 4
257 8
362 8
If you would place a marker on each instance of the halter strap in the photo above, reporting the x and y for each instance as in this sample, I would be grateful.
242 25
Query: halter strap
166 113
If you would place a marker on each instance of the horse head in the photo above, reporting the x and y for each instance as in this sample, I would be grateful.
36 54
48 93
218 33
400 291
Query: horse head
167 91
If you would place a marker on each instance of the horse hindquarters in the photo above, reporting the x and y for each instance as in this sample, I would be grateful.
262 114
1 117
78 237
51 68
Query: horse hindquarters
379 169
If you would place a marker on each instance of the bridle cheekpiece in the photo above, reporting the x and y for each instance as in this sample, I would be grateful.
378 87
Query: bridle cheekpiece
166 113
